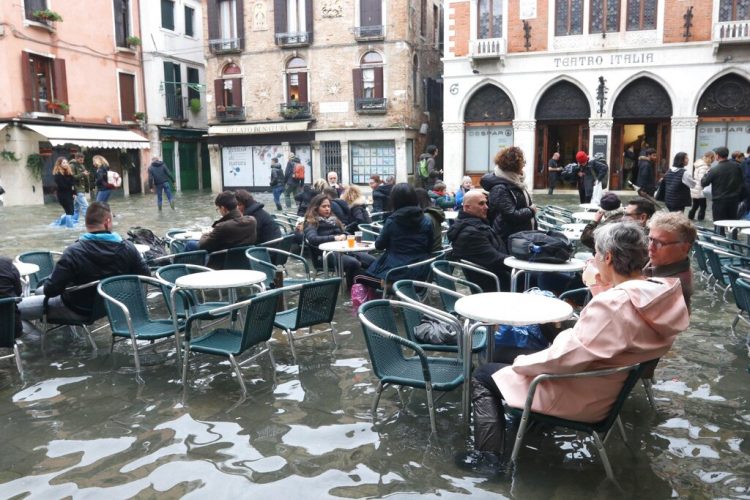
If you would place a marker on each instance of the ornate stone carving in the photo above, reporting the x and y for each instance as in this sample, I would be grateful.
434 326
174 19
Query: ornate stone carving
489 104
333 88
524 125
600 123
727 96
643 98
332 8
688 122
453 127
563 101
260 16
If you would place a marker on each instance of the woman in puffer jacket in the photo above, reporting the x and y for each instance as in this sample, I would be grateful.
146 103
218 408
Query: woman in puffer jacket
700 167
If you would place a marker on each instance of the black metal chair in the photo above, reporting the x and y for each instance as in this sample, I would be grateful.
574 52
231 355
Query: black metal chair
8 331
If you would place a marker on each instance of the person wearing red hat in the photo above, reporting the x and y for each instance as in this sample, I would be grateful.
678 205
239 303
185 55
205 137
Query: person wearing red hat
589 171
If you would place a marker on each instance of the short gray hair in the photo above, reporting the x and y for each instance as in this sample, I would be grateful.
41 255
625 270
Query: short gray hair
626 242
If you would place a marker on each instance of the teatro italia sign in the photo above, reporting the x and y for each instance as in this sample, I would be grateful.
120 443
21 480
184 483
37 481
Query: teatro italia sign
606 60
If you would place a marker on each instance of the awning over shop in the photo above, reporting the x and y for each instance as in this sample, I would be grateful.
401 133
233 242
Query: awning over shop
89 137
3 125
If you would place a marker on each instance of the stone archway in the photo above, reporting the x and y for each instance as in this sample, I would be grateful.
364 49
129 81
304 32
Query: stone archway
723 112
641 99
488 126
489 104
727 96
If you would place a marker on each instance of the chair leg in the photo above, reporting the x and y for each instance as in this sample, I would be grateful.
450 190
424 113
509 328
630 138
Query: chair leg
603 455
91 339
431 407
239 374
185 366
333 334
622 429
734 323
270 355
19 365
519 438
379 391
648 386
291 344
137 362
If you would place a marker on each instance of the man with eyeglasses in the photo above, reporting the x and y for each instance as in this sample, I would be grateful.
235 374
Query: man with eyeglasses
671 235
639 210
474 240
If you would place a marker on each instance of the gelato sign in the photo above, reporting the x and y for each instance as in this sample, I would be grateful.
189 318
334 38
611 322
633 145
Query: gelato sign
631 59
259 128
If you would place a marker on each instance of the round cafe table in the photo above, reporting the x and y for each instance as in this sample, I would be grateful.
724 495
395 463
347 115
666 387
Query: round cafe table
188 235
519 267
503 308
26 269
590 207
340 248
733 225
584 216
573 230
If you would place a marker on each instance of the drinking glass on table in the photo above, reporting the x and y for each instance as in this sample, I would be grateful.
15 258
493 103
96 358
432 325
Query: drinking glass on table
350 241
358 237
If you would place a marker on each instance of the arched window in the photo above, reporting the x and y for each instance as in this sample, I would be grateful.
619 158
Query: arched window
563 101
642 98
488 122
228 94
368 84
296 81
722 115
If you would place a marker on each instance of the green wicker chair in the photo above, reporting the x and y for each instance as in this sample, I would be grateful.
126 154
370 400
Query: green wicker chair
97 312
442 274
260 312
128 313
389 362
45 260
195 257
8 331
230 258
316 304
189 302
264 259
598 430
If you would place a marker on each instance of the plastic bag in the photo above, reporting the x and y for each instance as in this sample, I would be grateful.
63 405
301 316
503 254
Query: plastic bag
360 295
524 337
596 197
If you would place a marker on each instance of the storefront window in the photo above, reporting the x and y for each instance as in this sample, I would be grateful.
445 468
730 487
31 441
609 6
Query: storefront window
734 135
482 143
372 157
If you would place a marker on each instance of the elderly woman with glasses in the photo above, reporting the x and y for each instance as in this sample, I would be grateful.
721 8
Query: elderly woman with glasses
635 320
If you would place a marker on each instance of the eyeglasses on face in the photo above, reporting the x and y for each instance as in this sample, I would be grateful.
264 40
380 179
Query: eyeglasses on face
658 244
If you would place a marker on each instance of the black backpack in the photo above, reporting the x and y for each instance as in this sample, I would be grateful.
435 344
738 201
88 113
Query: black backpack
143 236
550 247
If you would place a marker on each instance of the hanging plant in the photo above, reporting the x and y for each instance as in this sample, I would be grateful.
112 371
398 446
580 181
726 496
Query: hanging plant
195 105
58 106
139 116
35 164
8 155
47 15
133 41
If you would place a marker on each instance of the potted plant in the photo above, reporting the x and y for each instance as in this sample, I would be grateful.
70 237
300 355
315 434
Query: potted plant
139 116
195 105
56 106
133 41
46 15
35 164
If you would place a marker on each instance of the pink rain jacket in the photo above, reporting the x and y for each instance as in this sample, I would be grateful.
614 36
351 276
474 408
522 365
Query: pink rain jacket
633 322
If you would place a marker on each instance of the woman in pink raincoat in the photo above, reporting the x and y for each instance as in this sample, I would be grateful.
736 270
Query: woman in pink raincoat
635 320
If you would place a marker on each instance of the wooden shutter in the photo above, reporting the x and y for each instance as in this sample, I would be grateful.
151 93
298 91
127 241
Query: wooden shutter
28 91
239 15
60 82
378 81
167 14
357 83
236 92
309 19
212 11
120 27
127 96
219 92
302 83
279 16
370 13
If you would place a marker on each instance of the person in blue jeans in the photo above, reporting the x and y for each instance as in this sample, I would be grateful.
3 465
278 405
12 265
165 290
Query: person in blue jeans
103 188
277 182
159 176
83 185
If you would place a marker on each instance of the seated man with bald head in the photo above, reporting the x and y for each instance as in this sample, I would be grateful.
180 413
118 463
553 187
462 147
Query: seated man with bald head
474 240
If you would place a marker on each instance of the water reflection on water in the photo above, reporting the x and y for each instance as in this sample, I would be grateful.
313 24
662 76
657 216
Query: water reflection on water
82 427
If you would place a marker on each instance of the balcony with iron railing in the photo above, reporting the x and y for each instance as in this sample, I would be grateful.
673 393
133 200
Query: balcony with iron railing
295 110
230 113
371 105
488 48
224 45
368 33
176 107
294 39
732 32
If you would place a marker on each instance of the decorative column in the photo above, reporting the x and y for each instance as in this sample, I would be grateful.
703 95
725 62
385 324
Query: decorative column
345 167
523 137
315 158
683 137
600 138
401 161
453 153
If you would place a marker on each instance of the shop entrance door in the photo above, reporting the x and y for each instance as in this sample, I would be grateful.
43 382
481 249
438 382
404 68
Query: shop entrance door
566 138
629 141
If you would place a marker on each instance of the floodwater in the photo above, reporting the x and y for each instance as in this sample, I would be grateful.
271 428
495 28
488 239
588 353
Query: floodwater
81 427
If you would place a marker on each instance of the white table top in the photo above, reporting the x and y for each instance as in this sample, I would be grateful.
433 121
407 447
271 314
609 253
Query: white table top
590 206
574 226
188 235
341 246
26 268
228 278
142 248
517 309
745 231
741 223
571 266
587 216
450 215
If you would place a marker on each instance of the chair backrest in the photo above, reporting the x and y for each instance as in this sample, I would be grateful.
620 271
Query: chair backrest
169 274
317 302
196 257
714 264
260 260
7 322
172 232
406 290
259 318
700 258
741 291
634 374
236 258
97 305
42 258
442 275
128 291
369 232
386 350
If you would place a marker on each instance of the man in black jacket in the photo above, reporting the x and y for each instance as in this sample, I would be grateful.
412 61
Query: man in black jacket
647 172
266 228
98 254
727 186
474 240
10 286
159 176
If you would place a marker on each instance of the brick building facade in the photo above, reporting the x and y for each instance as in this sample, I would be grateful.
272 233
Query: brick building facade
346 85
599 75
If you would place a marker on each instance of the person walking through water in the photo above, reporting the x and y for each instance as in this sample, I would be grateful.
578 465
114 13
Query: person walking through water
65 183
160 177
103 188
277 182
83 186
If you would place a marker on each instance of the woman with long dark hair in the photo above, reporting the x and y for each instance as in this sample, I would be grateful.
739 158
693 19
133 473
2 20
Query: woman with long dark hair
677 183
65 183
